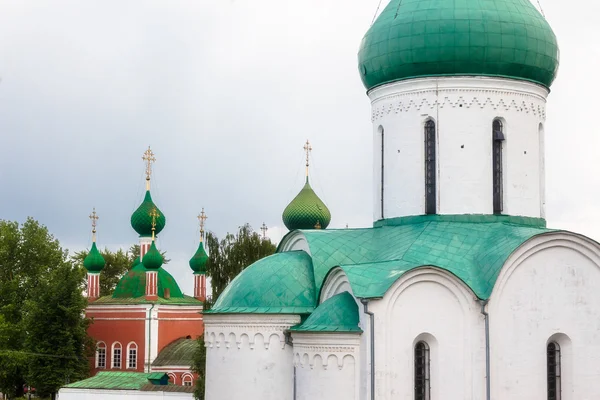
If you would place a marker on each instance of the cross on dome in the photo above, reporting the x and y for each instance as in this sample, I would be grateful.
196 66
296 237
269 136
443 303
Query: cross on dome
149 158
202 219
154 214
264 230
308 149
94 217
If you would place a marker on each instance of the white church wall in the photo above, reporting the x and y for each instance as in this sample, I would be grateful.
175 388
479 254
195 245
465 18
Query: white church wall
327 366
547 290
463 110
431 305
102 394
247 356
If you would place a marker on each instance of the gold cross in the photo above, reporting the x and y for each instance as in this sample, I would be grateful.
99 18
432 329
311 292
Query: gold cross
264 230
94 218
308 149
202 218
154 214
149 158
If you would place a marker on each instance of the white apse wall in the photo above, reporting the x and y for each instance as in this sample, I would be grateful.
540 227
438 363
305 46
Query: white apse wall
463 109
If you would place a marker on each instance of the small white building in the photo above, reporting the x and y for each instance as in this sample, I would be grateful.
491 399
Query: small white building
459 291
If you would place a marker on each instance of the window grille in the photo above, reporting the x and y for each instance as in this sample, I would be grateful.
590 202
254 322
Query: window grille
422 370
101 356
498 138
430 168
116 356
187 380
553 364
132 357
382 168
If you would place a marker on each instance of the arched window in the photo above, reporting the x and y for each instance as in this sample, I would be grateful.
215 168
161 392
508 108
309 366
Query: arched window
116 355
382 134
186 380
430 168
172 378
422 369
101 355
497 139
132 355
553 366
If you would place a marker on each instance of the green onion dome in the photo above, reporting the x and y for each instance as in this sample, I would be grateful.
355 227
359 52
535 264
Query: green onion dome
141 219
306 211
94 262
199 260
133 284
418 38
153 259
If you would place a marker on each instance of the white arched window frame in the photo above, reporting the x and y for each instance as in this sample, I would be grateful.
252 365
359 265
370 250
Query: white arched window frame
132 355
117 354
187 380
172 378
101 355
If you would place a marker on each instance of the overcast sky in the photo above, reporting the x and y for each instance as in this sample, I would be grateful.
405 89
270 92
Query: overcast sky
226 92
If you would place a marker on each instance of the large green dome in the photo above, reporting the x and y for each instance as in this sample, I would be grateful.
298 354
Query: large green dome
94 262
133 284
418 38
141 219
199 260
306 211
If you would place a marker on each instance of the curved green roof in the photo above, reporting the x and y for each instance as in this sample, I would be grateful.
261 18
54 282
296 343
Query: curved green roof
141 219
306 211
94 262
178 352
282 283
153 259
199 260
418 38
336 314
133 284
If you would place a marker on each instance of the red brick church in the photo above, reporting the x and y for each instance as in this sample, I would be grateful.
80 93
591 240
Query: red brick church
147 324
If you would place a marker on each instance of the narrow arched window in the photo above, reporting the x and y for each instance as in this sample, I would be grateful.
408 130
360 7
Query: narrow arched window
172 378
422 370
132 356
116 355
186 380
497 138
382 132
101 355
430 168
553 366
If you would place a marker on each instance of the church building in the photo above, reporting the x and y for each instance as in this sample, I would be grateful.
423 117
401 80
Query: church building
147 324
459 291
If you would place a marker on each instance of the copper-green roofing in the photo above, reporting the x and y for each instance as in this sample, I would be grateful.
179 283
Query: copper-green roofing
418 38
339 313
133 284
306 211
282 283
153 259
177 353
199 260
141 219
115 381
94 262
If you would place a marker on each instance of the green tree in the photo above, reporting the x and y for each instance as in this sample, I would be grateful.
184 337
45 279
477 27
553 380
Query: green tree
56 340
229 256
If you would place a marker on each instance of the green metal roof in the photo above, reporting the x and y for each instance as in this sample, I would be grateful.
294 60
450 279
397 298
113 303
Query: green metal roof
178 352
306 211
114 381
199 260
94 262
417 38
182 301
141 219
472 247
133 284
282 283
336 314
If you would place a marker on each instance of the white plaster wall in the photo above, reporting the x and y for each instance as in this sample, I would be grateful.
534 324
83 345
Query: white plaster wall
99 394
431 305
547 289
327 366
247 357
463 109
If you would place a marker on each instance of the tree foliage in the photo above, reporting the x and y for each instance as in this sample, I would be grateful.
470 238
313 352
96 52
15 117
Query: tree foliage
36 274
229 256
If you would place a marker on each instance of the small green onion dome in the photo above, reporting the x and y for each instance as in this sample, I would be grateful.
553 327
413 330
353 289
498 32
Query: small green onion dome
199 260
152 259
419 38
141 219
306 211
94 262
